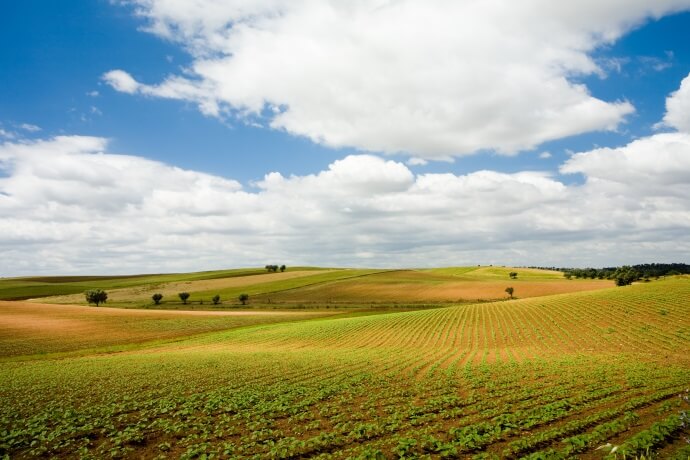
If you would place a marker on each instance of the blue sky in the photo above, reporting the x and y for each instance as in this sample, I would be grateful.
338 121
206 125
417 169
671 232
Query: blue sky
55 58
416 111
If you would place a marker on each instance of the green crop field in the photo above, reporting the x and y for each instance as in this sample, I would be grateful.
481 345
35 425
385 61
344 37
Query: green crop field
553 376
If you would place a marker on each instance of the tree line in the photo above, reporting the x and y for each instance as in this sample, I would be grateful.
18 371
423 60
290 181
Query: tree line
99 296
275 268
626 274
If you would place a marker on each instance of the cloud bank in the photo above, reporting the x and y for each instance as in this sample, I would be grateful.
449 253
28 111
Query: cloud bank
434 79
68 206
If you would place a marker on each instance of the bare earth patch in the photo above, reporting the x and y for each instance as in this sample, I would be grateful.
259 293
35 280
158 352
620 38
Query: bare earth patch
444 291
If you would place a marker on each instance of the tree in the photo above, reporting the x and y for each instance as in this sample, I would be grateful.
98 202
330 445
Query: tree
510 291
96 296
625 275
568 275
184 296
513 275
157 298
271 268
244 298
216 299
283 268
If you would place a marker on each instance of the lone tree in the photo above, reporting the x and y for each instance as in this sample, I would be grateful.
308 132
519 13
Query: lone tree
510 291
157 298
244 298
512 275
283 268
97 296
215 299
184 296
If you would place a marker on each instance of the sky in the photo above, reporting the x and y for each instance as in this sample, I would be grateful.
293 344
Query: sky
148 136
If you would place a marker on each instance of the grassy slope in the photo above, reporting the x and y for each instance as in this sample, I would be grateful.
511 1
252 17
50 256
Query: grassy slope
42 286
562 374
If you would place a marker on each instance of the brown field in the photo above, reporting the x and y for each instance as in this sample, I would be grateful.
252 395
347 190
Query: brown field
34 328
415 286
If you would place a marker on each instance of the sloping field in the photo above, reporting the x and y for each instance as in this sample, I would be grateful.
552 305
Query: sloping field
305 287
502 273
32 328
451 285
640 319
229 288
548 377
42 286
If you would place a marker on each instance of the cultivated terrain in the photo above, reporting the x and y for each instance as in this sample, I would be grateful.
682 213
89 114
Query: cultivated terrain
344 363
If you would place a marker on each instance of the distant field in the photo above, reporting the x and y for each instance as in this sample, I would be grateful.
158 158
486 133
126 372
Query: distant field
318 288
429 286
498 273
546 377
32 287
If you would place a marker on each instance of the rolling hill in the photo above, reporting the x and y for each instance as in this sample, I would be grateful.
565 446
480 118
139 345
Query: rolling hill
546 377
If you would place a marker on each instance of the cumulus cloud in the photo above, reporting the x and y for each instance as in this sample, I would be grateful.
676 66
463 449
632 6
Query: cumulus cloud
69 206
433 79
121 81
678 108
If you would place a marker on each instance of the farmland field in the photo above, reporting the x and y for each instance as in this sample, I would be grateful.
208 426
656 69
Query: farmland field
551 376
307 287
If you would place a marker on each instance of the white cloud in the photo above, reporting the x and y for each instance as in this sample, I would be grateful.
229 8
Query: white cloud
545 155
678 108
414 161
93 93
433 79
68 206
656 167
121 81
30 128
7 134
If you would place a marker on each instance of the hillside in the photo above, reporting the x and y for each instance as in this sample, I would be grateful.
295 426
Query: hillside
305 287
547 377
